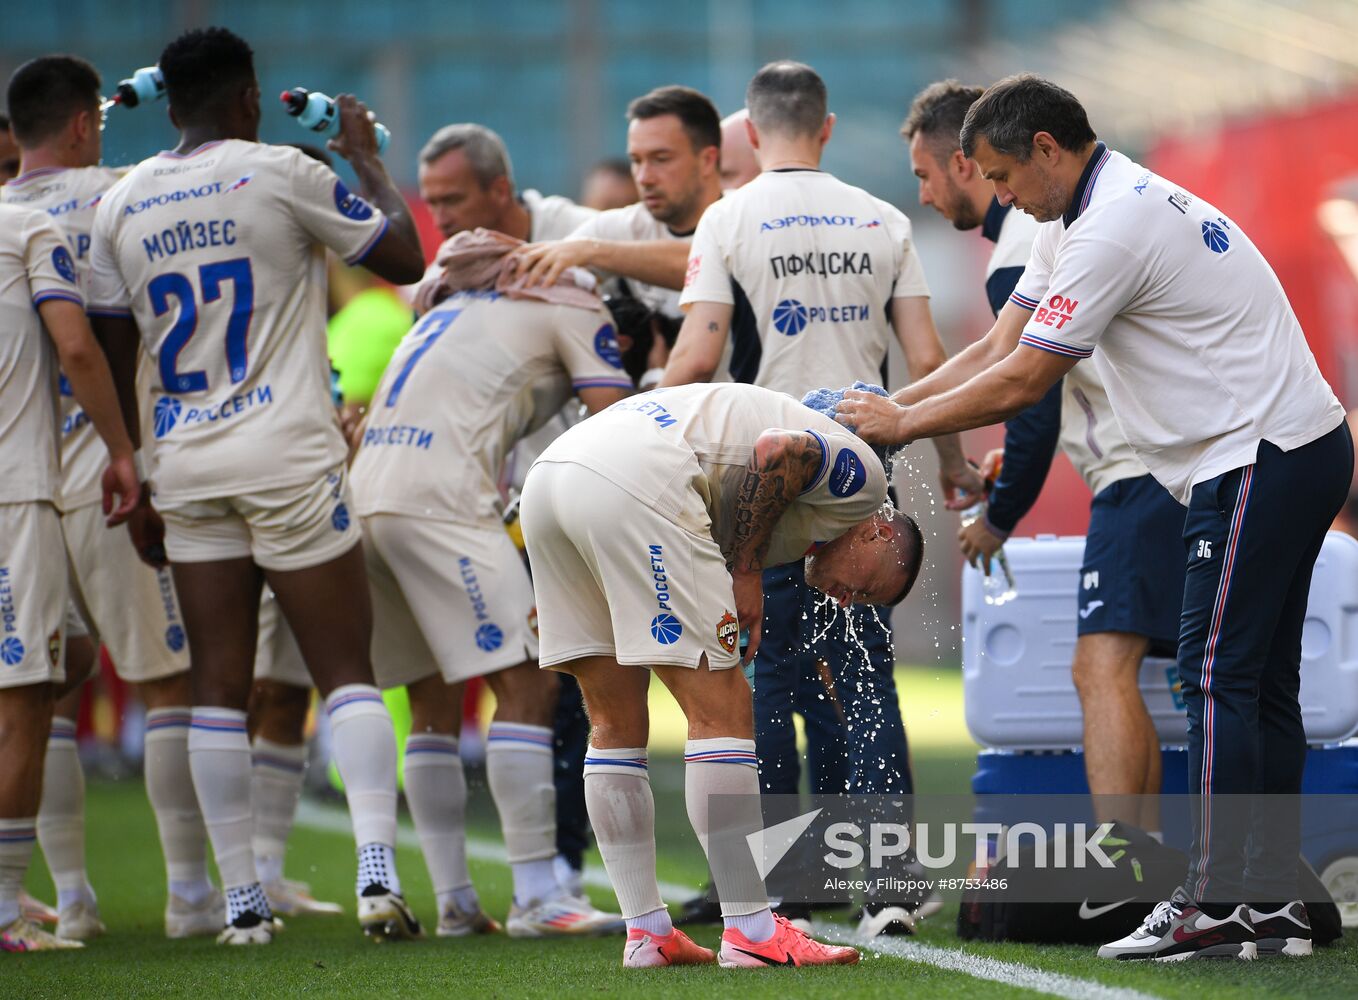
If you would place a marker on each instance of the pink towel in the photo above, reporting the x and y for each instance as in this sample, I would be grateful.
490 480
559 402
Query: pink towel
478 260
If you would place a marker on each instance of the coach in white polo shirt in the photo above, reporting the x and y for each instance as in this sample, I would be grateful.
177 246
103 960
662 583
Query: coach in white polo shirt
1212 381
1130 585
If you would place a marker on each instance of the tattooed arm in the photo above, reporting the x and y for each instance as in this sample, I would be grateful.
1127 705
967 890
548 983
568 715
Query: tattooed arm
784 463
702 341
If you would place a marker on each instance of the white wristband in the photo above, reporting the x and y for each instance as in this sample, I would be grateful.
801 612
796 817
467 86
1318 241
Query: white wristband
651 378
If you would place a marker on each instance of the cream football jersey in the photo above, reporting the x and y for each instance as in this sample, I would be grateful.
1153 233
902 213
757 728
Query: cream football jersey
472 377
1188 326
219 256
819 261
684 450
70 196
35 265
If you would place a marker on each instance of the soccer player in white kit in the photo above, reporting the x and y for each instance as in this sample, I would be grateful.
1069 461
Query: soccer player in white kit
833 276
451 597
213 257
41 308
132 608
640 252
1211 379
647 529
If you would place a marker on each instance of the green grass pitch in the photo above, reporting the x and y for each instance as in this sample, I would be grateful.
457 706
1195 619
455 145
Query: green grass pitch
327 956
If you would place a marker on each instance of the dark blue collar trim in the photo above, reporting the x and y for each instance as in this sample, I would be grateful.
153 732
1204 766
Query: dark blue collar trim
1080 200
994 220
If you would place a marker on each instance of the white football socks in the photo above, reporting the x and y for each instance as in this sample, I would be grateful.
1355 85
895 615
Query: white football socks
169 786
729 767
622 814
436 792
17 837
365 752
519 772
219 757
276 774
61 816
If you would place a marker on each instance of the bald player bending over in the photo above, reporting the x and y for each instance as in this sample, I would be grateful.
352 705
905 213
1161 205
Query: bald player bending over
648 527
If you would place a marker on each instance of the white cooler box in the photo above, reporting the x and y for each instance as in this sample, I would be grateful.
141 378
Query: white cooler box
1016 657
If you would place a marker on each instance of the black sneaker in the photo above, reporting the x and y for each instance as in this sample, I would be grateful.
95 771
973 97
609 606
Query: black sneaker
1282 931
703 909
1177 930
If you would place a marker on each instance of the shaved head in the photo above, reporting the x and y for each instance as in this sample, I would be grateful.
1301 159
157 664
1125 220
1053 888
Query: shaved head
739 163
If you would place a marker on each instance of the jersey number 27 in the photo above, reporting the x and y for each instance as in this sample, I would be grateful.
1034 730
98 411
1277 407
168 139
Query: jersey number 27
211 277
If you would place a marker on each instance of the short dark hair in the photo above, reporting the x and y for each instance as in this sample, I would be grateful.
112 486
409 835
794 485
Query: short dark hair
1014 110
787 97
695 112
46 93
910 547
202 66
937 113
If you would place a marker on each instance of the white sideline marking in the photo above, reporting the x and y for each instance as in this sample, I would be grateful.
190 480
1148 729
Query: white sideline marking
330 820
983 967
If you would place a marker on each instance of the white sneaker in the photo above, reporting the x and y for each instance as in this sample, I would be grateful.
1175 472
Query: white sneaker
294 899
1178 931
570 879
24 935
80 922
384 916
184 919
249 928
888 919
565 916
459 923
35 911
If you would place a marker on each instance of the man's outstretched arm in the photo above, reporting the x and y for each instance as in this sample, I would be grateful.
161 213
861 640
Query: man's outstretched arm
996 394
994 347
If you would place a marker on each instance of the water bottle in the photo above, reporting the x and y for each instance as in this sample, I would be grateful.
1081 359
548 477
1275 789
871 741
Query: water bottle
147 84
998 585
746 668
319 113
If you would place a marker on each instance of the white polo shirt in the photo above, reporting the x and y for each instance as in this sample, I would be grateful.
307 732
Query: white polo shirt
1196 342
819 260
1090 435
